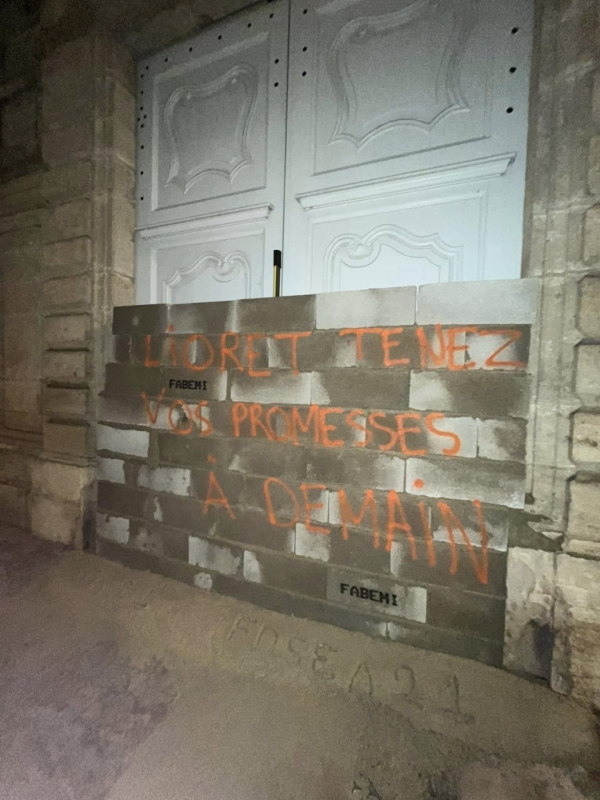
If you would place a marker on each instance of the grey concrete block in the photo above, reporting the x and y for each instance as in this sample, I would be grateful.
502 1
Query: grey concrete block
119 500
513 302
476 393
208 384
367 309
230 484
253 529
320 350
376 595
502 440
226 560
347 388
358 467
111 469
468 613
202 317
311 545
182 513
508 350
138 559
268 458
138 320
194 451
300 576
114 529
358 552
127 379
452 567
279 387
173 480
271 314
123 440
502 483
499 523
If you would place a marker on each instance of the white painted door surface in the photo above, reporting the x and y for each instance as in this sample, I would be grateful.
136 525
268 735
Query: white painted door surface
407 124
210 161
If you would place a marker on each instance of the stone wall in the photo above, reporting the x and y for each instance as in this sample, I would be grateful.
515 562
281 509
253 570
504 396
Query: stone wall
357 458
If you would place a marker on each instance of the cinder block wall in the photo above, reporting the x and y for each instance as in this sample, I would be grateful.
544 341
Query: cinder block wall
356 458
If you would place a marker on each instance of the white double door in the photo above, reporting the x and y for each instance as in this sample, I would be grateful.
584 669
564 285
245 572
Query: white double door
374 142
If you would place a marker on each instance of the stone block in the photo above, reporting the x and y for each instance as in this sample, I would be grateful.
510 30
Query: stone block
278 388
501 440
529 632
393 307
19 123
225 560
68 331
584 511
593 175
61 481
64 259
67 438
122 290
586 437
68 293
476 393
69 221
165 479
357 467
300 576
575 667
21 298
270 314
65 366
385 388
587 382
486 481
376 595
61 402
123 440
113 529
22 396
591 235
468 613
589 306
21 264
13 505
74 143
111 470
56 520
311 545
22 347
68 182
479 302
121 501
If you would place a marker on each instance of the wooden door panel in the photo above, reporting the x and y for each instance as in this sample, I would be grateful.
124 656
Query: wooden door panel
211 141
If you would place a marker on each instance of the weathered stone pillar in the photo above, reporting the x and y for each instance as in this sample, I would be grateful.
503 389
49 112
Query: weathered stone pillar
547 627
88 148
